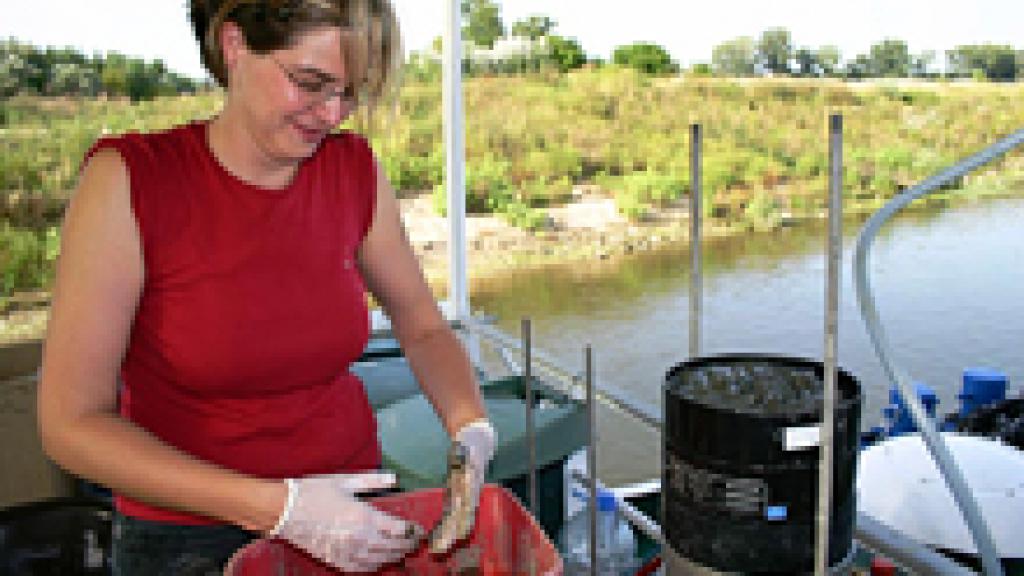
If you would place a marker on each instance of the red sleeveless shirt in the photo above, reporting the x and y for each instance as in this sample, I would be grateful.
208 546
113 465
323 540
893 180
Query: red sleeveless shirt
251 311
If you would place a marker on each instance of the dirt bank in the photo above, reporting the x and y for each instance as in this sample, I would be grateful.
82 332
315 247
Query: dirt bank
586 229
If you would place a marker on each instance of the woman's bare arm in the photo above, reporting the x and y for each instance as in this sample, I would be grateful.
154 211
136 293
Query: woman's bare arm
436 356
98 284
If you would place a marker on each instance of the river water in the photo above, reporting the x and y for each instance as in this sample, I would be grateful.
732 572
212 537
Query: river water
949 285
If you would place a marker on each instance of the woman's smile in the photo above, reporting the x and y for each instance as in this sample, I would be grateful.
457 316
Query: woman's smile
307 134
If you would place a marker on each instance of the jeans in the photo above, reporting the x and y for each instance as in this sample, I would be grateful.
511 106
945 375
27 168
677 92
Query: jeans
147 548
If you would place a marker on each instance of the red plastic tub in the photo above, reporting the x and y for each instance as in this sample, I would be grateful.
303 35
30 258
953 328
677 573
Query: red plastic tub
506 541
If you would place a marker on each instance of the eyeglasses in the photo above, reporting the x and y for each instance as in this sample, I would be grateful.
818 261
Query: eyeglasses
315 89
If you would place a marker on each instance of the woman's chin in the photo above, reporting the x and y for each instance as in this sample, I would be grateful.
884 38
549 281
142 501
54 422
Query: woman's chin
297 149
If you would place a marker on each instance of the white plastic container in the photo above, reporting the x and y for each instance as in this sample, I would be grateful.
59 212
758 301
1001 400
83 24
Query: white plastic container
577 462
616 543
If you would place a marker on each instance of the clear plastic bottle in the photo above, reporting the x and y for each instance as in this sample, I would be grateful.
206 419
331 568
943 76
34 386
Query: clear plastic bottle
616 544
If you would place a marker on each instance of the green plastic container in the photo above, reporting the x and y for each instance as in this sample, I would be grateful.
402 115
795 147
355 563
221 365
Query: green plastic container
415 444
387 380
386 373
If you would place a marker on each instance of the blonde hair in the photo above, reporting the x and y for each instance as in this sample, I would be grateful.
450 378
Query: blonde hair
371 43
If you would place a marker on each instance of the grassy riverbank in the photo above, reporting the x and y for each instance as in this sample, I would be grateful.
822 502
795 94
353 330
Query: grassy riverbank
539 143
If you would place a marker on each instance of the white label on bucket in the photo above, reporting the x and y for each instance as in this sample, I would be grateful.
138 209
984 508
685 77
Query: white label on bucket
802 437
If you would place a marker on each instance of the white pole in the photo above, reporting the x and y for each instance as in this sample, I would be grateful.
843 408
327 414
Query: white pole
455 154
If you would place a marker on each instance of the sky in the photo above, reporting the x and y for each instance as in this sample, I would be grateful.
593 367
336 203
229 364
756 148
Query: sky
689 30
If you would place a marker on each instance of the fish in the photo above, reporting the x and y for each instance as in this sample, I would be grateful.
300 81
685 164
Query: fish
459 503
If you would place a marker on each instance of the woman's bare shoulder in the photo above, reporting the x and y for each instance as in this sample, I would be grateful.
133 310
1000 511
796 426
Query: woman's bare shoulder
103 181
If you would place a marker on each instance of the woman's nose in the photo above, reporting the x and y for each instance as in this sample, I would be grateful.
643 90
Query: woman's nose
332 111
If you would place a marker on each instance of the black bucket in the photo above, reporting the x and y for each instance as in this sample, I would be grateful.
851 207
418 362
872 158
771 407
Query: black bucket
740 462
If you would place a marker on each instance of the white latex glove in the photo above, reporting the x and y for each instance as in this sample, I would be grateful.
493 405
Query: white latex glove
471 452
323 517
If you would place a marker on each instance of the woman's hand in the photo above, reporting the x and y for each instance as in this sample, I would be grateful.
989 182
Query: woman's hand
471 452
324 517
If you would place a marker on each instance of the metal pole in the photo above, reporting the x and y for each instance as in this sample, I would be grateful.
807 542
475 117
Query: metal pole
696 197
835 243
588 360
455 153
531 439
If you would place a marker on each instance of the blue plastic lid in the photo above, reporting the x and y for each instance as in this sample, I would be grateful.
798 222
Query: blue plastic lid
983 385
924 392
983 375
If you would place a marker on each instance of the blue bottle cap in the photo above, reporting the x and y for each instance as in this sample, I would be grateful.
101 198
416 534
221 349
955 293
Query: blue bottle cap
605 501
605 498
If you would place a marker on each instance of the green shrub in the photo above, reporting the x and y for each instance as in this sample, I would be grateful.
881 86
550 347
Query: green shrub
637 193
657 188
645 57
408 172
809 165
723 172
26 258
488 188
20 169
543 192
522 216
550 163
631 206
762 211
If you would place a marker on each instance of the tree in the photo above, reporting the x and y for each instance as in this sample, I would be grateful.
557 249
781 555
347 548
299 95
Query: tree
921 65
806 62
36 71
482 23
645 57
533 27
141 81
859 67
566 53
889 59
422 67
25 69
701 69
114 75
1002 63
12 73
829 59
774 50
993 61
734 57
73 79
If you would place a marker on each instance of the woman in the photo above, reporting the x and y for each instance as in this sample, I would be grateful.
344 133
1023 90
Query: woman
217 270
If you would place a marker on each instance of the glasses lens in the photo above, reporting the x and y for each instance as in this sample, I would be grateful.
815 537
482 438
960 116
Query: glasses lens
318 90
